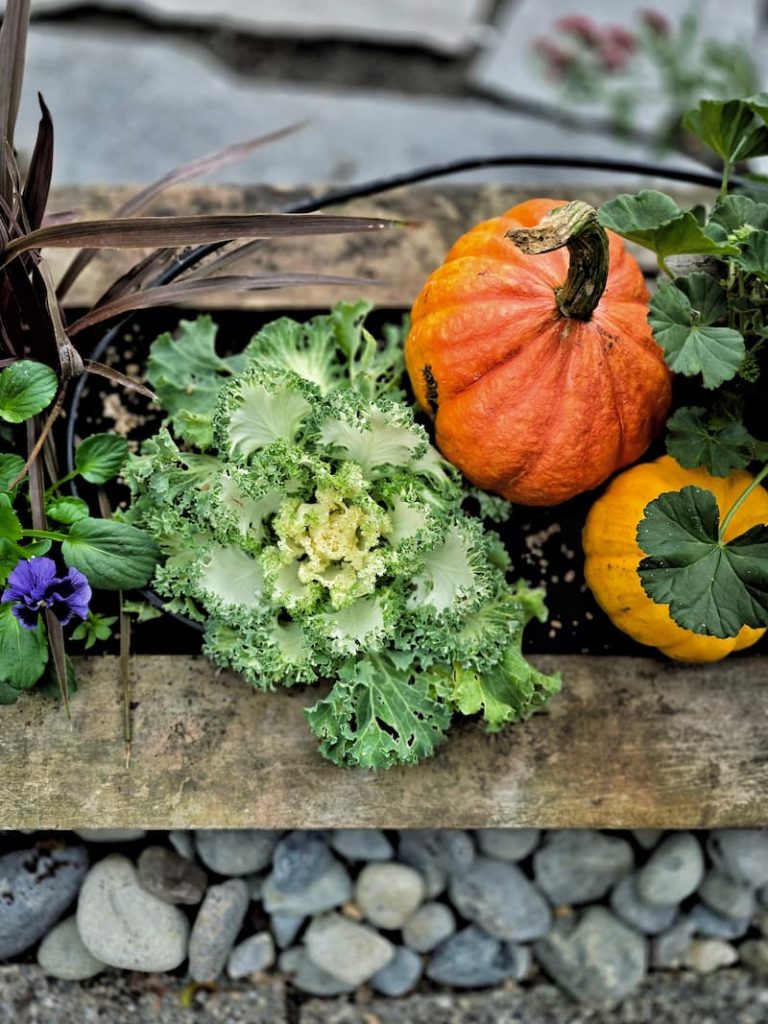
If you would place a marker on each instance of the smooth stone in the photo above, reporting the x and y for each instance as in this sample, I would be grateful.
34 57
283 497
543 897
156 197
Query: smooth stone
471 959
300 858
741 853
715 926
331 889
126 926
668 949
437 854
764 896
648 918
400 975
285 927
673 872
754 953
430 925
216 928
580 866
501 900
170 877
349 951
308 977
388 894
183 843
707 955
63 955
510 844
597 959
110 835
256 953
647 838
727 897
36 887
236 852
366 844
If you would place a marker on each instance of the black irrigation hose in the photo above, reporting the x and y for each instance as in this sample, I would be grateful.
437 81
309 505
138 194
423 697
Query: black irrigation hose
190 259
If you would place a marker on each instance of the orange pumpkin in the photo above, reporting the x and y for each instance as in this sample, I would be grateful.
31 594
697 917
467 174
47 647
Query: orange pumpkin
538 367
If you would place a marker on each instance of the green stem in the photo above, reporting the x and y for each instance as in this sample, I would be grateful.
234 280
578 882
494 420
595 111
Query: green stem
44 535
59 483
575 227
726 176
739 502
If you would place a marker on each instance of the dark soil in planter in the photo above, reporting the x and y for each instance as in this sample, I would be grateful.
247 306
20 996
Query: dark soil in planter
544 543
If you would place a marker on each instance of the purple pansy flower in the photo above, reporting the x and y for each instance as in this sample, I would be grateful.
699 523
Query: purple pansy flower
34 586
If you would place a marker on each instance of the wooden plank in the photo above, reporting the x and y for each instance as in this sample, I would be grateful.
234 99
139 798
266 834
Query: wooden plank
399 260
628 743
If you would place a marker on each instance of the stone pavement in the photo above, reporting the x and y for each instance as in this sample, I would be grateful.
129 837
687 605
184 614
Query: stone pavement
140 86
27 997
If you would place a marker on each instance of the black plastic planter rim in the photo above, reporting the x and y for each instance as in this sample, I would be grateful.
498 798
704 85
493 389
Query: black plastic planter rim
362 191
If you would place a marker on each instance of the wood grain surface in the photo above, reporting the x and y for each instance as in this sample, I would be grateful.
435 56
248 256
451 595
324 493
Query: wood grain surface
628 743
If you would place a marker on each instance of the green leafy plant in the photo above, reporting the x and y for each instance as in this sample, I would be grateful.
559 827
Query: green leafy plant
42 353
305 519
712 323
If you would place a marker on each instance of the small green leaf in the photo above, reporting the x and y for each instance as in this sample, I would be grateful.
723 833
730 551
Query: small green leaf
10 467
728 127
753 258
113 555
691 345
653 220
711 587
10 525
95 627
23 652
732 214
695 440
26 388
67 510
8 695
100 457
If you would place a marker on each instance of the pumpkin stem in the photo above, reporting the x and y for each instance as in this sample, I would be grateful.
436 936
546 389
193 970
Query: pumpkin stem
577 227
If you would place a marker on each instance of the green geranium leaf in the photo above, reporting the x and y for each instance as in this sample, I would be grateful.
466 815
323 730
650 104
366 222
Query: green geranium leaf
733 214
186 374
728 127
26 388
711 587
753 257
655 221
684 330
10 467
100 457
23 652
379 713
67 510
695 440
10 525
8 695
113 555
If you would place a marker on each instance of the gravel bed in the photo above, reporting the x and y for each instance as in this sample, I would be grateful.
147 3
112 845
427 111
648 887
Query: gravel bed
358 915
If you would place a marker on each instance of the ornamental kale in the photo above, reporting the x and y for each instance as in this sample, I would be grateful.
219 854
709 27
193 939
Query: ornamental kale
711 319
307 521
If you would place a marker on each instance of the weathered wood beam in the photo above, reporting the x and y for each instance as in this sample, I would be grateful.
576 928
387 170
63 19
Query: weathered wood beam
629 743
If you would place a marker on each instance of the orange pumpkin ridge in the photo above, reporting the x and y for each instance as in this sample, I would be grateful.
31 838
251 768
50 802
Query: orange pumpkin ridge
529 402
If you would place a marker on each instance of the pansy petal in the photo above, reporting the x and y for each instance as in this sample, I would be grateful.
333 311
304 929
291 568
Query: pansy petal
26 616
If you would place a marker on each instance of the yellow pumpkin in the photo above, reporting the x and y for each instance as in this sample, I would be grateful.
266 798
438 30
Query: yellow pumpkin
612 554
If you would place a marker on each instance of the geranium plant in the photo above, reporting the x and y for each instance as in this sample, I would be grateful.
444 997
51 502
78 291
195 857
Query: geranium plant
711 320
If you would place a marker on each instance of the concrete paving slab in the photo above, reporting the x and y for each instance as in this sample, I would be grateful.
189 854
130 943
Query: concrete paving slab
447 26
27 996
128 109
510 66
728 997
